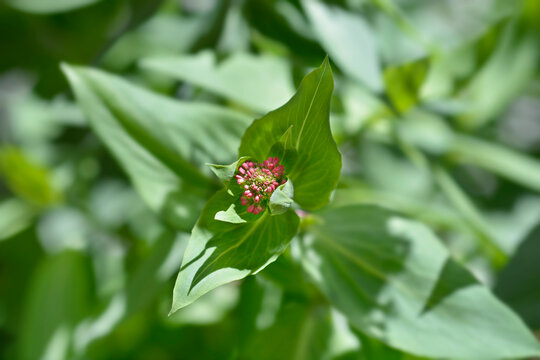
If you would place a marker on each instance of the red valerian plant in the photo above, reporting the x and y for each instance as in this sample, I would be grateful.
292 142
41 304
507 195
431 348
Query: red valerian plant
259 182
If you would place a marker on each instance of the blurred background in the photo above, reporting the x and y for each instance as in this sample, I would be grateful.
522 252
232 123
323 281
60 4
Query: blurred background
436 111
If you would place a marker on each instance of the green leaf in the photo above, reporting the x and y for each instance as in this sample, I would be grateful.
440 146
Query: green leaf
261 83
58 295
300 331
27 179
394 281
146 282
506 162
15 216
403 83
162 144
314 162
226 172
49 6
518 284
281 199
223 251
349 40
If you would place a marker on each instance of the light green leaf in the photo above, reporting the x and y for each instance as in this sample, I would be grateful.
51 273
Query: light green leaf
15 216
505 162
403 83
49 6
27 179
223 251
162 144
395 281
349 40
260 83
314 162
488 93
226 172
281 199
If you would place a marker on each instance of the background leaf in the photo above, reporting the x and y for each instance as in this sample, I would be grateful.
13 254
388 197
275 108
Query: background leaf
163 151
49 6
394 281
518 283
260 83
349 41
59 296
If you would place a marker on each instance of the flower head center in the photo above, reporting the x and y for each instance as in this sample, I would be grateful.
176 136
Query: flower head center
259 181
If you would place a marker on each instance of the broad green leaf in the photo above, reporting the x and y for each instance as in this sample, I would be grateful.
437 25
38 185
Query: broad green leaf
162 144
59 294
49 6
223 251
261 83
348 39
300 129
518 284
394 281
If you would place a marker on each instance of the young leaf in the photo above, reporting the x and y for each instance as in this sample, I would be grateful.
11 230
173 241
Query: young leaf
314 162
226 246
226 172
395 281
281 199
162 144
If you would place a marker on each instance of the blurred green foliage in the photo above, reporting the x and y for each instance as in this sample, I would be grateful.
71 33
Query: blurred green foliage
436 113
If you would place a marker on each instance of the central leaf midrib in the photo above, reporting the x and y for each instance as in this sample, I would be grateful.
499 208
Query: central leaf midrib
309 108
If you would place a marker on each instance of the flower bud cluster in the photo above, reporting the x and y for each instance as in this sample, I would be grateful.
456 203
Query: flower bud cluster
259 182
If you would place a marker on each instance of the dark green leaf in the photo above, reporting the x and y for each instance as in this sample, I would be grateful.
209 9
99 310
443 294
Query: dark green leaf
314 162
395 281
519 282
226 246
300 331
